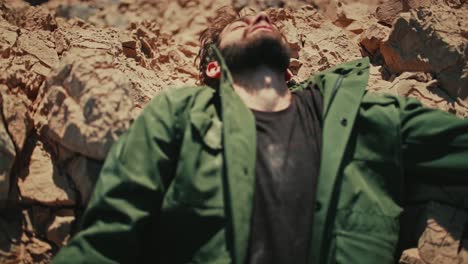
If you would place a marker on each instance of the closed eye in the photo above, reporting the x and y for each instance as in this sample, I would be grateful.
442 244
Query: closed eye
238 25
241 26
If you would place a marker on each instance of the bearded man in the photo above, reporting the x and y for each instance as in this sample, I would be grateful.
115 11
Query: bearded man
247 170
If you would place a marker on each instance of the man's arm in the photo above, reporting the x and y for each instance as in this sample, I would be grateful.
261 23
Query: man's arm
128 192
435 144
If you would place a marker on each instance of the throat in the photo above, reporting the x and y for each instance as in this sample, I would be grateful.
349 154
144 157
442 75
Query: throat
262 89
265 100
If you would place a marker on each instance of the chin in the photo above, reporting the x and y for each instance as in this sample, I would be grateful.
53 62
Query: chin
261 47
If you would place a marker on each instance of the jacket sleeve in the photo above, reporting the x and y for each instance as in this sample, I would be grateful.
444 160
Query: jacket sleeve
435 144
128 192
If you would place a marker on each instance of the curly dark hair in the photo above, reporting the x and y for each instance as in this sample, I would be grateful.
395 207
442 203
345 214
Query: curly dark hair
210 36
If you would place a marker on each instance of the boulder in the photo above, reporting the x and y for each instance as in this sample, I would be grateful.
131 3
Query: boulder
431 40
373 37
16 115
8 154
27 58
59 229
441 241
85 104
18 244
42 182
328 46
84 173
411 256
10 235
428 90
74 74
28 17
389 10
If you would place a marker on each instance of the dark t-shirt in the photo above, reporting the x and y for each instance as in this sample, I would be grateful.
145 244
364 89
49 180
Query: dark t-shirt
288 156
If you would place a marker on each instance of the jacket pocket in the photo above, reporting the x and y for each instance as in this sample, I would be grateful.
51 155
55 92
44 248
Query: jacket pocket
365 238
363 248
197 185
209 128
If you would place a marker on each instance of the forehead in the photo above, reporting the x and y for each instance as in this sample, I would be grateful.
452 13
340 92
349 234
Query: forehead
241 20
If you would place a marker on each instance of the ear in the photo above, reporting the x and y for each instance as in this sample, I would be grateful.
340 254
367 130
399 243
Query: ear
288 75
213 70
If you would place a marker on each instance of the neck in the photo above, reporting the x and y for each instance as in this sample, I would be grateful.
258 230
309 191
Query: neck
262 89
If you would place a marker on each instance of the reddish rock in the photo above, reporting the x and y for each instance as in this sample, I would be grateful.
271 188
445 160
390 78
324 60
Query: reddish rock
10 236
39 45
34 250
344 12
388 11
329 45
59 229
85 104
105 60
352 15
16 115
440 242
42 182
27 58
18 244
28 17
373 37
8 154
427 89
84 173
411 256
434 41
40 217
8 37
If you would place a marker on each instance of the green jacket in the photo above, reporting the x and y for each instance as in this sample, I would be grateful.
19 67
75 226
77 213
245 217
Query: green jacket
178 186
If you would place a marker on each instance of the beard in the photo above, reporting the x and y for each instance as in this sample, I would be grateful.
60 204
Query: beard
263 49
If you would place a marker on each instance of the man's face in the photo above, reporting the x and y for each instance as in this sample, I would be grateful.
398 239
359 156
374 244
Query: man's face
253 41
247 28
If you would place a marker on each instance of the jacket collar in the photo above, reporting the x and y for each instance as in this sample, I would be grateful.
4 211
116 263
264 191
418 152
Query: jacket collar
239 138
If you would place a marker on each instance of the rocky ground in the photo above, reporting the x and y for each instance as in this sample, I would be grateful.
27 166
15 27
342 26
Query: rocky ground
74 74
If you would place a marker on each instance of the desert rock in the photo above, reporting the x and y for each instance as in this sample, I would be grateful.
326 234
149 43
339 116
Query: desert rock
59 229
84 173
440 242
389 10
434 41
85 104
8 153
43 182
411 256
373 37
16 115
74 74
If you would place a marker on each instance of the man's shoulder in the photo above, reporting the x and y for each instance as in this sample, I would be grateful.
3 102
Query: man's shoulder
186 92
181 97
345 69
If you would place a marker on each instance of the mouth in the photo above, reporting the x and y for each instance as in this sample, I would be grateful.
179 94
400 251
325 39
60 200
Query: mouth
262 28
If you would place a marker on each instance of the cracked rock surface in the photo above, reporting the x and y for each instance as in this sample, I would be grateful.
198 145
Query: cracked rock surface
75 73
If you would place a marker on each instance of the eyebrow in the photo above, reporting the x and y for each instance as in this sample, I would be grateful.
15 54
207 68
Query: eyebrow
238 20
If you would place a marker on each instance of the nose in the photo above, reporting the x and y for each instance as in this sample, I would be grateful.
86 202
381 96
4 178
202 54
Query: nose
262 16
